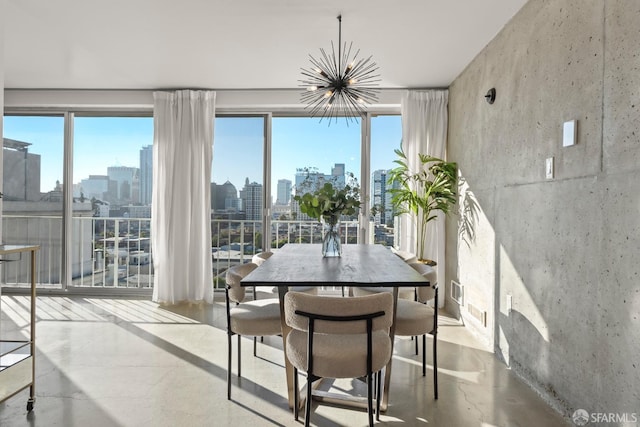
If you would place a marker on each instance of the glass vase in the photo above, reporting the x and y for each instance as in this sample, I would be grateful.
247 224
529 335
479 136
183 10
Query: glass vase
331 245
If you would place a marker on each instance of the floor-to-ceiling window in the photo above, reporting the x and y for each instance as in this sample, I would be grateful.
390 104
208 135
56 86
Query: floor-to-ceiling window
386 135
306 151
259 163
112 187
32 176
237 191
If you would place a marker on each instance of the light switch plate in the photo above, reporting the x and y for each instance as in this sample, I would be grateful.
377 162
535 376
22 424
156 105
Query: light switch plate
569 133
549 168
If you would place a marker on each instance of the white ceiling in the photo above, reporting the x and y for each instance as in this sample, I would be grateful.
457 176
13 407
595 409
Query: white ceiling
238 44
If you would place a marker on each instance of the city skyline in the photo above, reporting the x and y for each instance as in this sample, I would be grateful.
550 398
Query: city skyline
103 142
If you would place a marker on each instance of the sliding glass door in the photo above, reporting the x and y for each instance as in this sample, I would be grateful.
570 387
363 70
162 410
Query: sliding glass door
112 184
32 176
237 191
304 152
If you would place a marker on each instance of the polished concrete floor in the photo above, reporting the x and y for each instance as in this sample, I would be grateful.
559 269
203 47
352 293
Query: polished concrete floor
128 362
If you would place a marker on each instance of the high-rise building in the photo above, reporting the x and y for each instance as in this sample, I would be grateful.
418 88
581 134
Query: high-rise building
96 186
381 197
26 208
310 180
146 174
284 192
224 197
338 170
125 190
20 172
251 196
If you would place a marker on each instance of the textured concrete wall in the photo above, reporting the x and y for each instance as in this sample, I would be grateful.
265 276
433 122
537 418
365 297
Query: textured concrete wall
566 249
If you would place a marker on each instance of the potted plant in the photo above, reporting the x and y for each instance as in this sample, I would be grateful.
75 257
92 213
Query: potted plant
432 188
327 203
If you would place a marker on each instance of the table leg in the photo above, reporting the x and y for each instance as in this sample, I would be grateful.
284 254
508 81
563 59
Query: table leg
32 389
282 290
387 371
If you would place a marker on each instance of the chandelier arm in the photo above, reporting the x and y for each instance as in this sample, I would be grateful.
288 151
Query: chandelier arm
346 70
313 77
353 108
364 67
330 64
360 92
323 63
317 107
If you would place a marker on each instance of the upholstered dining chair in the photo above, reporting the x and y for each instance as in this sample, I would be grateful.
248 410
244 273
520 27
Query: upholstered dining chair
335 337
250 318
416 318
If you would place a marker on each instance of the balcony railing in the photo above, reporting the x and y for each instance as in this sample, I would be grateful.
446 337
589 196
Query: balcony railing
116 253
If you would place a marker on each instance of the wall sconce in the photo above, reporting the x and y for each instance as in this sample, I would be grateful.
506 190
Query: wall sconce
491 95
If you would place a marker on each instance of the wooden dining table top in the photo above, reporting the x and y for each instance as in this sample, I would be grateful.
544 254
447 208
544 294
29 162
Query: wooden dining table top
360 264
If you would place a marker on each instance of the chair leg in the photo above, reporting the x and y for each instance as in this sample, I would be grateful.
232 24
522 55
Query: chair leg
378 393
307 406
435 366
370 398
296 395
239 363
424 355
416 341
229 366
255 339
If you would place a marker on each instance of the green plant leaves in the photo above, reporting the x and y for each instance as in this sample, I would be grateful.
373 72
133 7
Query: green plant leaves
421 193
330 201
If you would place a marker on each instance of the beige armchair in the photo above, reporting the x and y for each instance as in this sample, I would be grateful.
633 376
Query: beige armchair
338 338
250 318
415 318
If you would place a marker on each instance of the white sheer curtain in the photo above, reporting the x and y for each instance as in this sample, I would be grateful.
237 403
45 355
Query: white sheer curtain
424 130
181 204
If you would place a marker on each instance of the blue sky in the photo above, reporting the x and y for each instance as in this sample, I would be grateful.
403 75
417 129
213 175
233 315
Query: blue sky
297 143
101 142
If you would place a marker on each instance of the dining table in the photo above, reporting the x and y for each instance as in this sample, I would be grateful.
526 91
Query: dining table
363 265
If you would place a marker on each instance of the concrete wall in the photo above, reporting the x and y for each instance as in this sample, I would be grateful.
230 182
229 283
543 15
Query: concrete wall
565 249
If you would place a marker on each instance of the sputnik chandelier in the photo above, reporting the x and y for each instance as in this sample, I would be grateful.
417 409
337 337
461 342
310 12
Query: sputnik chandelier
339 85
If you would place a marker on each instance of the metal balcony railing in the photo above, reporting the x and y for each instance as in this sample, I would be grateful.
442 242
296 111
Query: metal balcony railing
116 253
